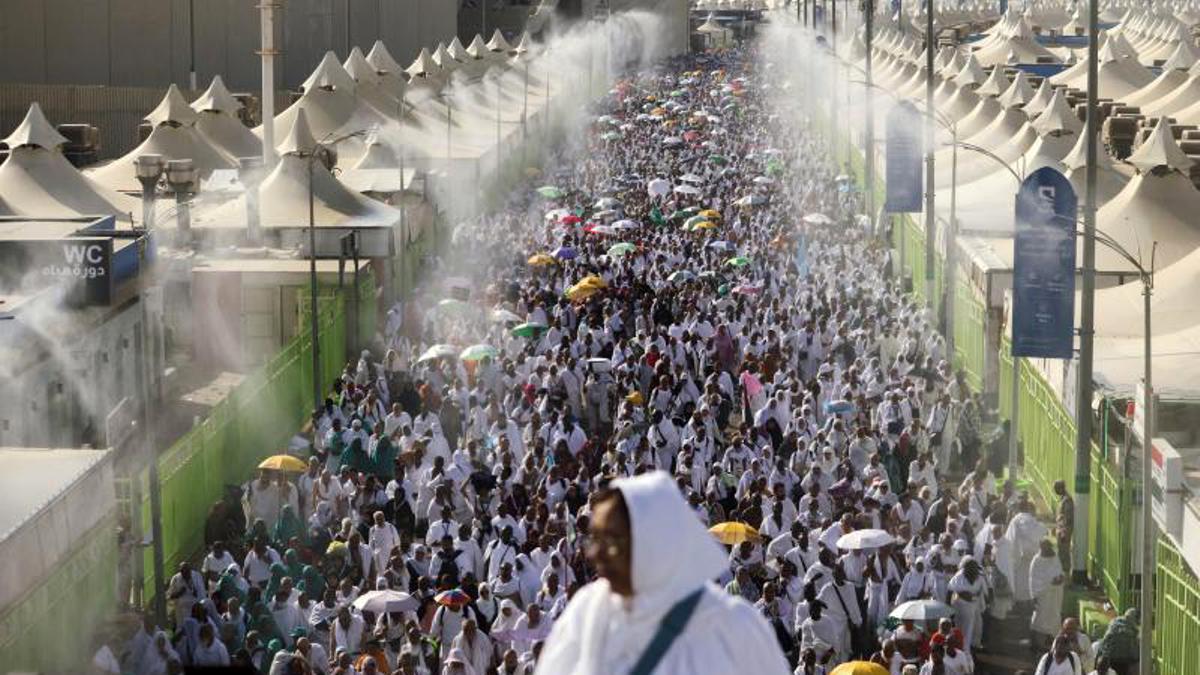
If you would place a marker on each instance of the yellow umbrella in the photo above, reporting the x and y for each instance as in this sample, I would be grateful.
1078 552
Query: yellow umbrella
283 463
732 533
591 281
541 260
710 213
635 398
859 668
704 225
581 292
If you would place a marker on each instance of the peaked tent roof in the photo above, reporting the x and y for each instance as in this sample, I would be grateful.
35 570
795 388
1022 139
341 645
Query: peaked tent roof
173 108
35 130
1159 150
498 43
217 98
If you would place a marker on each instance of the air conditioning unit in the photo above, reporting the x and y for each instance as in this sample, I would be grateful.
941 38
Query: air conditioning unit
83 143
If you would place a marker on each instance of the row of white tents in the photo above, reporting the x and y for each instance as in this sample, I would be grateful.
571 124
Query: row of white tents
1145 200
452 104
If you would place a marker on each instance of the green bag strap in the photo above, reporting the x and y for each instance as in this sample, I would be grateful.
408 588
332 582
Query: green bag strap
670 628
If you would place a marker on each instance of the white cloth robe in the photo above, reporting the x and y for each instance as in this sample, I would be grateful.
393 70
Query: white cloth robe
968 614
1025 534
603 633
1047 615
843 616
478 652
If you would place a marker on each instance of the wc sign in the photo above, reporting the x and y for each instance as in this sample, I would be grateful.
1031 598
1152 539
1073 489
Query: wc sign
85 261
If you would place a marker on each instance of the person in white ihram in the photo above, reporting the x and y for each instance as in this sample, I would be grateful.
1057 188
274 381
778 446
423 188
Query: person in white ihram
655 609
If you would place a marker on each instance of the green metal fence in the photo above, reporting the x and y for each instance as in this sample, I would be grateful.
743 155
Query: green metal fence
970 316
1176 614
253 422
1046 430
1110 518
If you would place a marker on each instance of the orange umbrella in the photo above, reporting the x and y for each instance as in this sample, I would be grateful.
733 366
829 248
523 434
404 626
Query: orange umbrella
859 668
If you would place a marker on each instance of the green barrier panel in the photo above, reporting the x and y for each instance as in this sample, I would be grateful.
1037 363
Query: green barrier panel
970 315
49 628
254 421
1110 508
1176 614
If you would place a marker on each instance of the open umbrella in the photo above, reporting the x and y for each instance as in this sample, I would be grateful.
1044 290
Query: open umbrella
859 668
733 533
621 249
504 316
687 189
571 219
659 187
382 602
717 159
738 261
751 200
565 253
603 229
607 203
864 539
691 178
681 276
705 225
528 330
551 192
625 224
455 597
284 463
721 245
711 214
479 352
922 610
541 260
817 219
440 351
556 215
693 221
672 141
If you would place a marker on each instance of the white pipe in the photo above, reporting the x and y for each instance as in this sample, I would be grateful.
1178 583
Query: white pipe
268 53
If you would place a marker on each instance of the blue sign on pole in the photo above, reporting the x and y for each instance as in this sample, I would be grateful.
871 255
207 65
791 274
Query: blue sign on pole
1044 267
905 175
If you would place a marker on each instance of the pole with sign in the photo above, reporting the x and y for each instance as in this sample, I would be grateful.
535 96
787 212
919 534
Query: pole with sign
1044 267
904 173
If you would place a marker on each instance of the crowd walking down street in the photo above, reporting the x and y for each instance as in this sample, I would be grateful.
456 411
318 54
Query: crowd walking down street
667 410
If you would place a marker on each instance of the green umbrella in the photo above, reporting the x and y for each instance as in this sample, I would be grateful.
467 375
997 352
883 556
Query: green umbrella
717 159
479 352
693 221
723 289
656 216
623 248
738 261
528 330
610 135
551 192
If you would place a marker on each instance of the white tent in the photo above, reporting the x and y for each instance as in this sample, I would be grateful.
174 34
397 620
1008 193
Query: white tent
1159 204
37 181
1119 75
217 121
175 136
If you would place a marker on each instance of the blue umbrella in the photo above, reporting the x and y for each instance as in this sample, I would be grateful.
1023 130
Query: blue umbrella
565 253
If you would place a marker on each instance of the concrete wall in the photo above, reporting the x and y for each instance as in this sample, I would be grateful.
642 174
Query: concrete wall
146 42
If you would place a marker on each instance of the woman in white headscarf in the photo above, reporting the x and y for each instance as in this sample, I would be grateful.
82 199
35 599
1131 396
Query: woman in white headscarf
656 559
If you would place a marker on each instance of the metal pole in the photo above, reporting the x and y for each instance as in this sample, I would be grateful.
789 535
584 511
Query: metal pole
160 584
192 43
483 17
318 400
869 136
831 5
951 273
268 53
1087 310
1014 398
1145 645
930 179
348 40
402 206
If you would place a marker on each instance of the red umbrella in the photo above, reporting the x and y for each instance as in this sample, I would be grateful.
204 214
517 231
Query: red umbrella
571 220
454 597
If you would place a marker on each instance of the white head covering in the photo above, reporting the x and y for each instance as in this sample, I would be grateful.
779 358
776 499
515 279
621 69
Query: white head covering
664 531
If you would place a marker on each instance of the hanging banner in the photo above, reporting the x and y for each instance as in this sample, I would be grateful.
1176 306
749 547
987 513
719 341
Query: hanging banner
904 171
1044 267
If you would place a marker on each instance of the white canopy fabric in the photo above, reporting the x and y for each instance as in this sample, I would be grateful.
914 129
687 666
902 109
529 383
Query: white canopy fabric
217 121
37 180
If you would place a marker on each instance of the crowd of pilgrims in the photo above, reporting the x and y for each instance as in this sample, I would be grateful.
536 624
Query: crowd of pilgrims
795 389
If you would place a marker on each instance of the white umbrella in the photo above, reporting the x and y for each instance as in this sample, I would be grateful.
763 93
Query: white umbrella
691 178
606 203
505 316
556 215
922 610
751 200
686 189
864 539
672 141
659 187
625 224
762 180
438 352
379 602
817 219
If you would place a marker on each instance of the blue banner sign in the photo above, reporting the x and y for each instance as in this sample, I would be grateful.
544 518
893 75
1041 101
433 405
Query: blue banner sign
904 171
1044 267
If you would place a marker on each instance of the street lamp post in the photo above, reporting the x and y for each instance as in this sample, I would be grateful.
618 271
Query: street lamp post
314 322
930 179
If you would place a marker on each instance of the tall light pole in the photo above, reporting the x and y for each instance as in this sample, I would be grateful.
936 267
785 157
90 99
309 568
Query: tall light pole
869 137
314 322
930 178
268 53
1087 311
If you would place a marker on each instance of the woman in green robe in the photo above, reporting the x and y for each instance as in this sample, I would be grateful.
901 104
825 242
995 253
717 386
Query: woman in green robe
287 527
312 583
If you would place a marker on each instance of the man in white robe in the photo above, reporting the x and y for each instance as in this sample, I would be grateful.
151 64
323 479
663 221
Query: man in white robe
1025 534
639 533
1046 584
